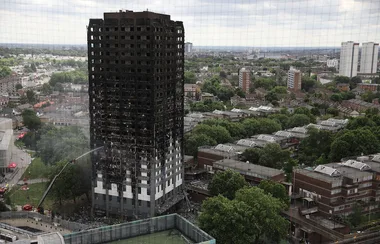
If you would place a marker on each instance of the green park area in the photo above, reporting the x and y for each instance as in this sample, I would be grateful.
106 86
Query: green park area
32 196
37 170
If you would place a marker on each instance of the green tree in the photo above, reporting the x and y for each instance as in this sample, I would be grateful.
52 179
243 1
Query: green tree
5 71
3 207
282 119
316 144
272 97
60 144
267 210
307 83
190 77
218 133
280 90
276 190
298 120
251 155
46 89
356 218
226 183
273 156
70 184
333 111
354 142
315 112
194 141
355 81
31 96
240 92
341 79
357 123
228 221
268 126
266 83
18 86
251 126
33 67
30 119
224 93
336 97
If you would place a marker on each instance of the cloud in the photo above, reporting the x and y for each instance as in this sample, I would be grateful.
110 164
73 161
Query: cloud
207 22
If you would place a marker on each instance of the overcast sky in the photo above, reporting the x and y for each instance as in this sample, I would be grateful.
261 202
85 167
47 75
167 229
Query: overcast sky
301 23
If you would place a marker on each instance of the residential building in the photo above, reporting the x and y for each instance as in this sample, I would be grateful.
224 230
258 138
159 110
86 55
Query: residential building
253 173
369 57
343 87
6 142
136 89
192 91
358 105
294 79
337 187
368 87
188 47
244 79
349 54
8 84
333 63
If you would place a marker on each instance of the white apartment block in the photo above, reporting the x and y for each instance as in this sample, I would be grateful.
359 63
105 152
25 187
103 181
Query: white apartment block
188 47
333 63
294 79
349 55
369 57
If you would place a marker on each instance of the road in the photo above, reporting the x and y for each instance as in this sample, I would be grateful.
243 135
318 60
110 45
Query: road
21 158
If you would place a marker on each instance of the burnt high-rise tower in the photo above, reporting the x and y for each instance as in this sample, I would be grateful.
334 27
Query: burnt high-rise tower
135 63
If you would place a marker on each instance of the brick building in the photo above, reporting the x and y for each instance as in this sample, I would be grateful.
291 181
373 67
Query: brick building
337 187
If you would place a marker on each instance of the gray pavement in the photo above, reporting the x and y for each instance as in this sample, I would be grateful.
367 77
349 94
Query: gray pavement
33 181
22 159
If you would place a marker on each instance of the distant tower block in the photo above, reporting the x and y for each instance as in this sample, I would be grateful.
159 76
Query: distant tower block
188 47
136 87
294 79
348 63
369 56
244 80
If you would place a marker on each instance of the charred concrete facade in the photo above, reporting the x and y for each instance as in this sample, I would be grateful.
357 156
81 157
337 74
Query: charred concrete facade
136 88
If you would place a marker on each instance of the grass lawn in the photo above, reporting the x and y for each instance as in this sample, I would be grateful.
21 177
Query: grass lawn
35 192
37 169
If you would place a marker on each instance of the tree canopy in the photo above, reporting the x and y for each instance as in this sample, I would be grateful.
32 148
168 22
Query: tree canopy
30 119
195 140
76 77
271 155
73 182
252 217
61 144
316 145
354 142
190 77
276 190
226 183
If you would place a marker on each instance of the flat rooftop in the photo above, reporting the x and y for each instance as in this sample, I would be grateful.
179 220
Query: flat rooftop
217 152
171 228
247 168
319 176
168 236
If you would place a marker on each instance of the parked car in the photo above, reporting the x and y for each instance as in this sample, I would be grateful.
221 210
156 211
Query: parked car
27 207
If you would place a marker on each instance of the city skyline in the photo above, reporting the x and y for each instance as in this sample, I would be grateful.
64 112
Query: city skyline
296 23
